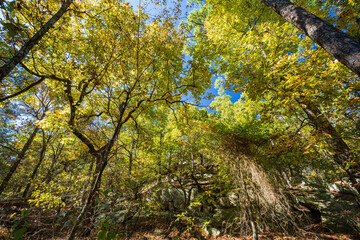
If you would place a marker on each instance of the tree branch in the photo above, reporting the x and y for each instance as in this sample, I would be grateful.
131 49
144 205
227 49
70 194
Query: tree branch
24 50
23 90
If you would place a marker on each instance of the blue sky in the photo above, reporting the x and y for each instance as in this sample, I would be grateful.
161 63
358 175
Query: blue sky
154 9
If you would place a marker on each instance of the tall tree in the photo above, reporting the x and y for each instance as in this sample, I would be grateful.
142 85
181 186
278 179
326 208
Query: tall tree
337 43
26 48
342 46
35 106
45 142
270 61
20 157
118 65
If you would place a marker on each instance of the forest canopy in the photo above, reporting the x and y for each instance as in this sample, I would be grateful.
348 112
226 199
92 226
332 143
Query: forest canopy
104 133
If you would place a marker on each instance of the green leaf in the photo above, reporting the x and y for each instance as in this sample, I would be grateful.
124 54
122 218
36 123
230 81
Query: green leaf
19 233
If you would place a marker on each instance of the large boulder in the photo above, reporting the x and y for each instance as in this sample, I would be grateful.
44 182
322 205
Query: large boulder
337 211
178 198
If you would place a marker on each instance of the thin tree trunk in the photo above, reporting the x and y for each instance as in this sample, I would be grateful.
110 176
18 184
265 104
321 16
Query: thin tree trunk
18 160
21 54
286 178
130 162
249 211
56 154
253 227
98 168
338 44
33 175
83 198
342 154
95 185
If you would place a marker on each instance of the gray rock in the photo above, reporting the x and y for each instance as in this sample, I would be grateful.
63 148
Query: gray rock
229 201
119 216
336 214
177 197
173 196
225 215
211 231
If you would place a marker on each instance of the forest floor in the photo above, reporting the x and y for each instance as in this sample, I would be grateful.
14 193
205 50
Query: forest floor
45 225
150 236
4 234
312 236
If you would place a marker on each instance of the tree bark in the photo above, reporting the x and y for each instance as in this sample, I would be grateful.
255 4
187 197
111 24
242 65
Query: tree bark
21 54
342 154
18 160
83 198
101 163
338 44
33 174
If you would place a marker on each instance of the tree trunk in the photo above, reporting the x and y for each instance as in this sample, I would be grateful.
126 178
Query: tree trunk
55 157
83 198
130 162
101 163
18 160
33 175
21 54
342 154
286 178
253 228
338 44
